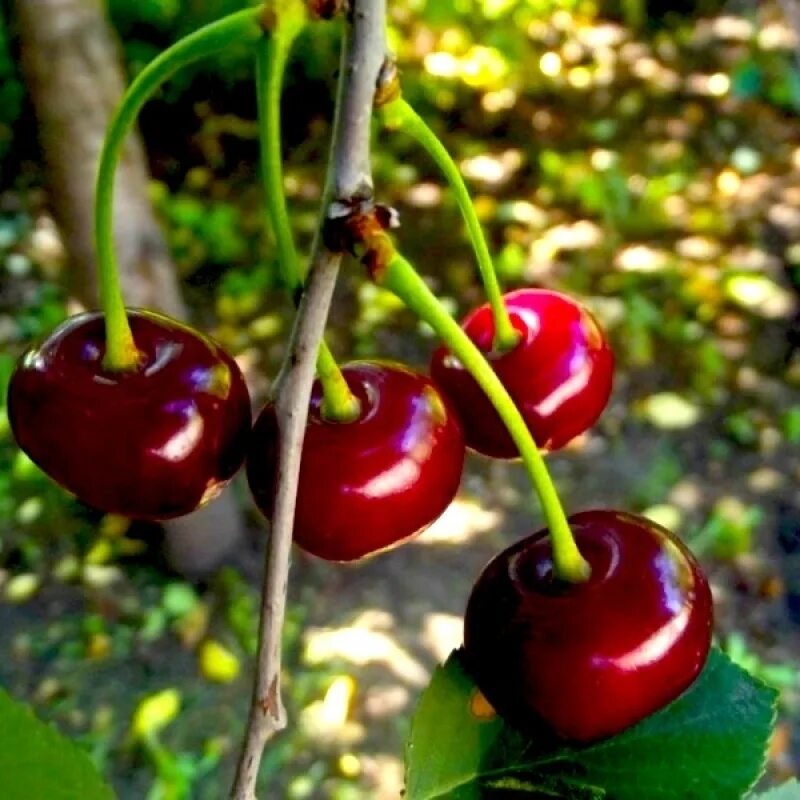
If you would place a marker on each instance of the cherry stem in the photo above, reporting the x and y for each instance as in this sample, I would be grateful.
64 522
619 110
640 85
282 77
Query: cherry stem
400 114
402 279
272 53
121 353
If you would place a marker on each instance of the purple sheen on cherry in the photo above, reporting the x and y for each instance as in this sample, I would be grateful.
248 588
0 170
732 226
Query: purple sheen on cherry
370 484
150 443
589 660
559 374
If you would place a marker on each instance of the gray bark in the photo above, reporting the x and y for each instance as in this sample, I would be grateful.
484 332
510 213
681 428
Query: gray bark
72 66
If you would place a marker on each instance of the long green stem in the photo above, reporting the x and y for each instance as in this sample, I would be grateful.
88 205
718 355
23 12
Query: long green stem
399 113
402 279
272 54
121 350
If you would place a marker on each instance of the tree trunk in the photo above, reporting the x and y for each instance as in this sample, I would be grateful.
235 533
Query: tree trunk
72 66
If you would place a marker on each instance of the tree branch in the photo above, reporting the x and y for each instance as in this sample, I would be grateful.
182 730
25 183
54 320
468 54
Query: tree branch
348 183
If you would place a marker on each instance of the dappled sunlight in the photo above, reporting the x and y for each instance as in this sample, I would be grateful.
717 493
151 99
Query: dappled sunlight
424 195
462 521
385 775
550 64
725 27
698 248
716 85
766 479
671 411
728 183
642 258
687 494
499 100
361 644
777 36
385 701
760 295
549 244
326 721
493 170
479 67
441 634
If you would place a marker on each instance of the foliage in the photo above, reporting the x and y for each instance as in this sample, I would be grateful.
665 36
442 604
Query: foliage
37 762
11 92
166 21
694 748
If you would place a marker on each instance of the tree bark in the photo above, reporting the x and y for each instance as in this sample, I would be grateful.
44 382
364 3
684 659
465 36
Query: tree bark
73 69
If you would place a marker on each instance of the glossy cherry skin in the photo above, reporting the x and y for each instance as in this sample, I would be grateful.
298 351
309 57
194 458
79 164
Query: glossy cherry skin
559 374
367 485
589 660
151 443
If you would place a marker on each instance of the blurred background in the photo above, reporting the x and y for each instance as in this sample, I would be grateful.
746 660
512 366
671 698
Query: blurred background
644 155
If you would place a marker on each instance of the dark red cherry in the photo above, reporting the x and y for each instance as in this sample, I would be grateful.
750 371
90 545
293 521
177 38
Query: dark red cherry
152 443
370 484
559 374
590 659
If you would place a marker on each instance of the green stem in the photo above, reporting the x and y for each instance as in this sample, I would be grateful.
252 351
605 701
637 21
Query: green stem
121 353
272 53
400 113
402 279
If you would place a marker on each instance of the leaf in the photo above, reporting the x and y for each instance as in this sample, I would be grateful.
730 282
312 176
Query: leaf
217 663
747 81
709 744
448 742
36 761
154 713
789 791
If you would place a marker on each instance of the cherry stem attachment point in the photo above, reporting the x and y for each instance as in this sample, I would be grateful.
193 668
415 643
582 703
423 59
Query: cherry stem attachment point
121 353
272 53
398 113
403 280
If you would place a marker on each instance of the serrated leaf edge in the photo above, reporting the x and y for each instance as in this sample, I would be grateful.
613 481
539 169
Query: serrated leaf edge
773 720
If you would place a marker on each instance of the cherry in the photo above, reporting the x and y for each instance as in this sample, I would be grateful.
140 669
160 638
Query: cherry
588 660
369 484
559 374
151 443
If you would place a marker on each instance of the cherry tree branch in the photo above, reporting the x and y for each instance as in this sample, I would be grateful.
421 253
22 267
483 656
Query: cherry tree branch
348 183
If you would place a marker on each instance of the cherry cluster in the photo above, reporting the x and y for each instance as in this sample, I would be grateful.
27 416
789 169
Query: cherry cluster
163 437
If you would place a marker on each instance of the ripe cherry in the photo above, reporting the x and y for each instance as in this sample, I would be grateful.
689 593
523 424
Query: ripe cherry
589 659
372 483
559 374
150 443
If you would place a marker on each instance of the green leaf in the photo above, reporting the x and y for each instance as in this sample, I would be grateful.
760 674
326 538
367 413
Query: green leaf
38 762
709 744
748 81
789 791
